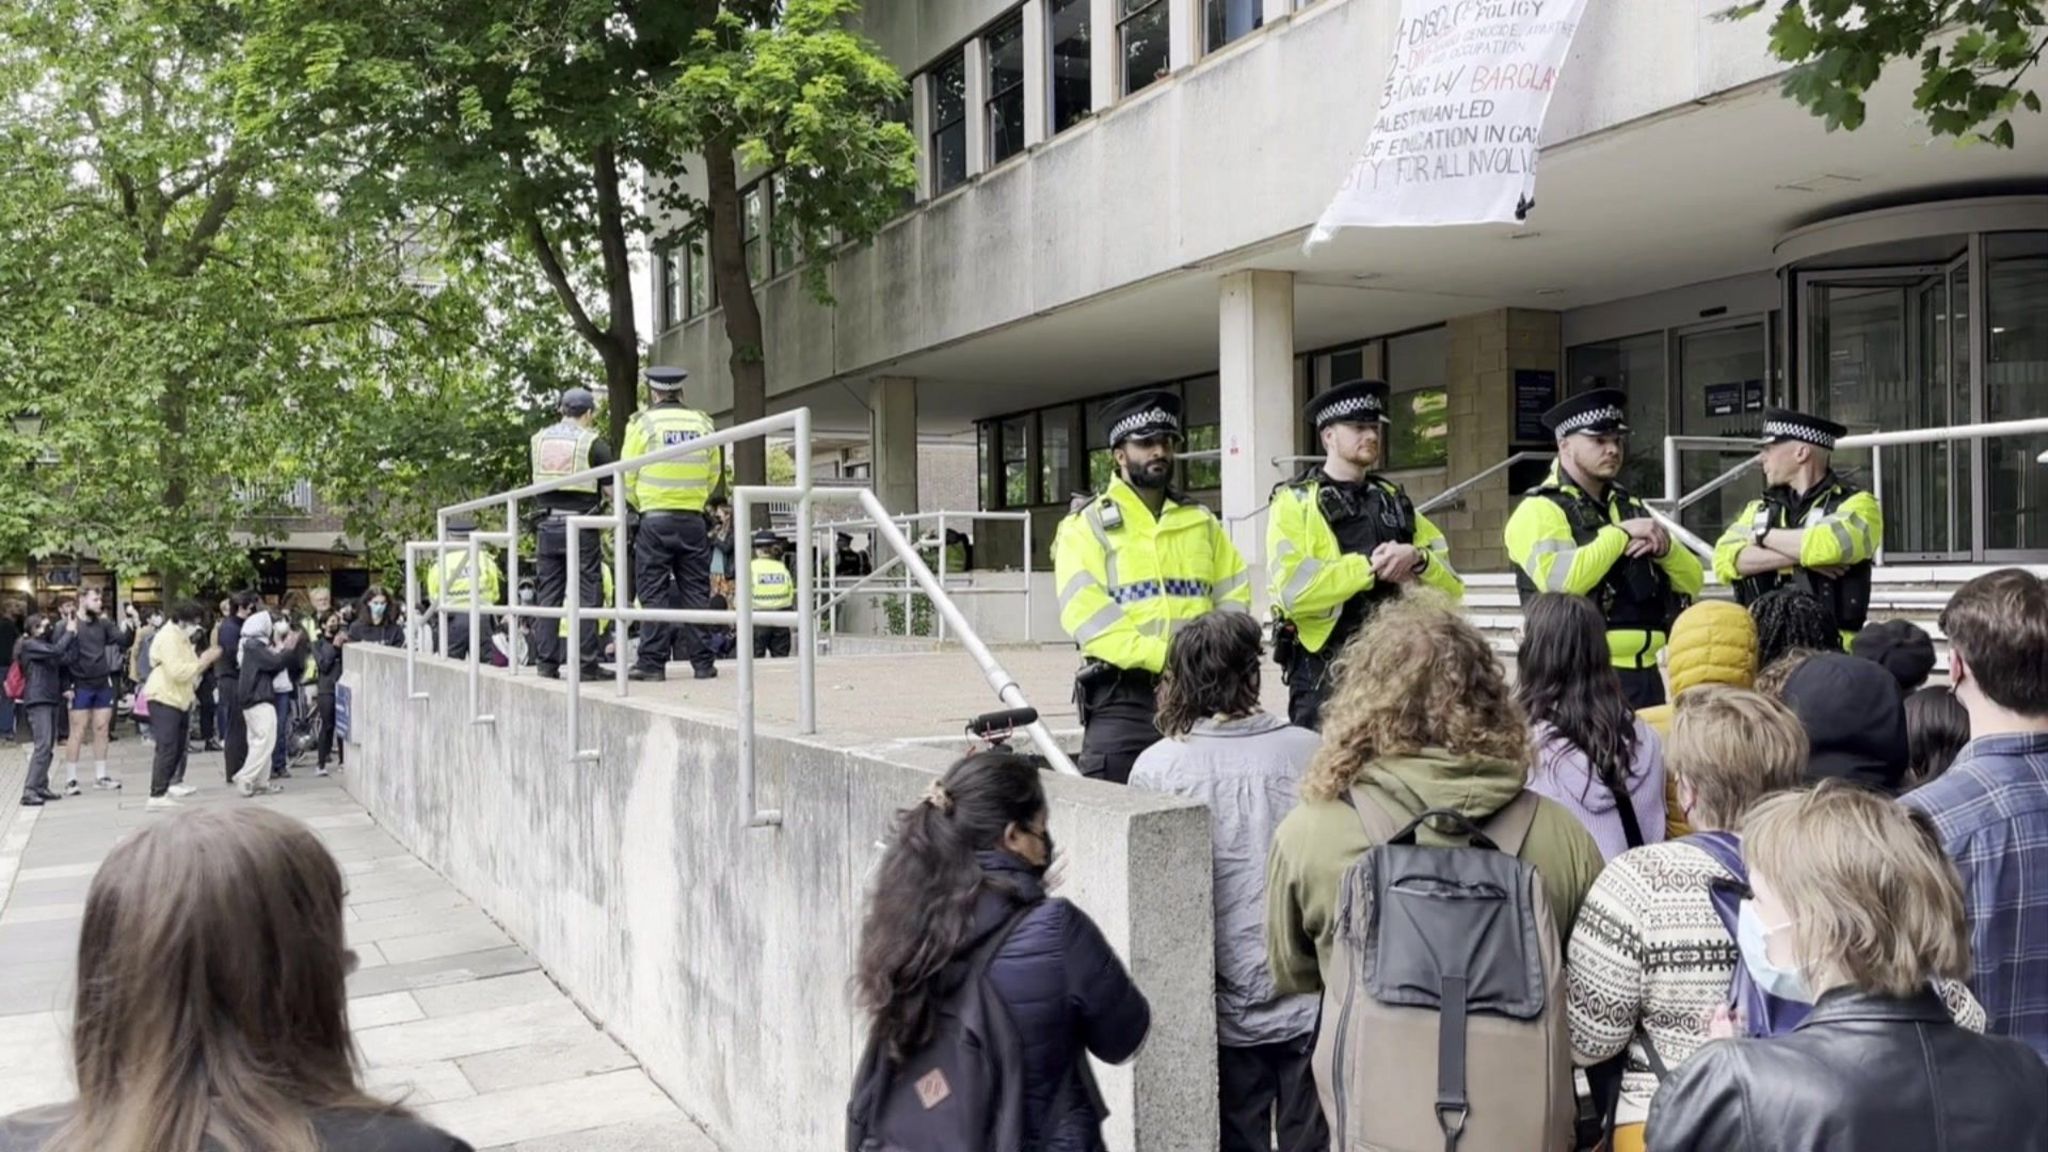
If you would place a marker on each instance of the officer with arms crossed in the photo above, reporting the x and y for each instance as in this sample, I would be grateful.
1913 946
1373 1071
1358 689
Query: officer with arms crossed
1340 539
1131 565
452 584
672 550
1581 533
1811 529
560 450
774 591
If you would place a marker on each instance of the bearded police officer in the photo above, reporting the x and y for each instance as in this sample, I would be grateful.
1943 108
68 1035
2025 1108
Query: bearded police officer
1131 565
1581 533
1340 540
565 449
672 549
1812 529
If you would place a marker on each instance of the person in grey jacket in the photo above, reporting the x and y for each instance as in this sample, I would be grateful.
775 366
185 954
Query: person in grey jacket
1246 764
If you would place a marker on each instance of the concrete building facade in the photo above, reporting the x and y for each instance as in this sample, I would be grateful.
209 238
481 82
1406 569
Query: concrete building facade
1114 194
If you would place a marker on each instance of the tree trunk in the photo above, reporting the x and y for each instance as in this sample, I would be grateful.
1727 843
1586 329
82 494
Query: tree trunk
621 347
176 425
742 311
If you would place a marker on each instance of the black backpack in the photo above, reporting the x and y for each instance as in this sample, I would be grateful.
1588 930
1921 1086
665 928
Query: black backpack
963 1089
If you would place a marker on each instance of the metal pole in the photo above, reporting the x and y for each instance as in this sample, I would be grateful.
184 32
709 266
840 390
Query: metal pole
440 614
807 622
515 639
743 604
1028 555
621 581
940 626
1006 687
1671 480
476 624
412 584
1877 486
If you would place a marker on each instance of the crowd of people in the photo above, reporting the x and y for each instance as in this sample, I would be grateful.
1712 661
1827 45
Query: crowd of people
1792 909
254 681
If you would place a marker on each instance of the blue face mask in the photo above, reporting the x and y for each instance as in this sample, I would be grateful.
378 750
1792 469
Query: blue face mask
376 607
1753 940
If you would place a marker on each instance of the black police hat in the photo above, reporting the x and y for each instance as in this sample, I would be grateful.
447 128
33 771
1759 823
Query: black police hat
666 379
1782 424
1355 402
1145 415
766 538
1601 412
576 401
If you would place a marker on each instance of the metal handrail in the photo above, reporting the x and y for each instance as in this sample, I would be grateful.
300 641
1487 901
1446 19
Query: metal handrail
939 516
1457 490
742 616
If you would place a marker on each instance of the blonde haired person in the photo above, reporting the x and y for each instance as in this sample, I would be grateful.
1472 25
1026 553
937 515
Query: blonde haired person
1855 908
1422 718
212 1002
1712 642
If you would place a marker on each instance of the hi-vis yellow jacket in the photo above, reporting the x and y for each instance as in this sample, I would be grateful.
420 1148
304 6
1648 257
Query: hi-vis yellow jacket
774 587
449 580
1311 577
683 485
1127 580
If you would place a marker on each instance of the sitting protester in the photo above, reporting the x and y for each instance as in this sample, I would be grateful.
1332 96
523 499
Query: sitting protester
1246 765
1854 909
212 1008
960 933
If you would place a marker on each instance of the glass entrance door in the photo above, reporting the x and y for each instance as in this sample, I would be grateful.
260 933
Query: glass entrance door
1722 379
2015 388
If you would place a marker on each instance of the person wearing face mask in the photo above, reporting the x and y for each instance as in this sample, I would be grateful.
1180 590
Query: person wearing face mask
965 868
1340 540
1854 909
327 664
41 652
1581 533
1132 565
377 621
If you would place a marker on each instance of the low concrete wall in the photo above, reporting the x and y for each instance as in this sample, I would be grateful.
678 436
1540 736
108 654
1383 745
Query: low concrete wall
720 956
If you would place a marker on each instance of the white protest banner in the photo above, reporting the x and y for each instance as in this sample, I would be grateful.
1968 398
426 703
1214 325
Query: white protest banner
1454 141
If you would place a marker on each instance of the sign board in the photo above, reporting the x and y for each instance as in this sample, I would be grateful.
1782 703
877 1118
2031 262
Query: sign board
343 706
1752 395
1535 394
1454 139
1723 399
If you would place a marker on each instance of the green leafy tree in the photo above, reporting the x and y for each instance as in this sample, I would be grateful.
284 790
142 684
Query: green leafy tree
789 89
1975 57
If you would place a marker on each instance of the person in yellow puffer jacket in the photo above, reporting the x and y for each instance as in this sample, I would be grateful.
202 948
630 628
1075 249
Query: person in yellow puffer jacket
1712 642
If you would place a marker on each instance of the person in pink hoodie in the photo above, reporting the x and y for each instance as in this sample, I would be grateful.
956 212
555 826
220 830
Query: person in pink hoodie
1593 754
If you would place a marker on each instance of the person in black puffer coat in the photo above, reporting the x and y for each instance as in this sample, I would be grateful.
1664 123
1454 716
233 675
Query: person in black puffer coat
963 859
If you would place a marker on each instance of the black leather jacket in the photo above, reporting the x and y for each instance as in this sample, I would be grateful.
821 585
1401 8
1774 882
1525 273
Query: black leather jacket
1862 1074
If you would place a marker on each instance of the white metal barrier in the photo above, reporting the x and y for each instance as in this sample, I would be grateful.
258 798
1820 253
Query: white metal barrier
743 616
838 589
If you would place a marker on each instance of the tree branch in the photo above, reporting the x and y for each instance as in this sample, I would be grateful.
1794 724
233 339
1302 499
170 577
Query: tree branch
558 279
227 190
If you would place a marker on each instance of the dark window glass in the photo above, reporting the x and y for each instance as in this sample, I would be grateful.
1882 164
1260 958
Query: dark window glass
985 434
1141 30
1055 454
1016 462
1005 45
949 124
1072 67
1226 20
700 282
672 287
784 255
754 221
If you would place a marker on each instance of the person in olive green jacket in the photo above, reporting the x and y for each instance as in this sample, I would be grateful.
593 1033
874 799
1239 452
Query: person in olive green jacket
1422 718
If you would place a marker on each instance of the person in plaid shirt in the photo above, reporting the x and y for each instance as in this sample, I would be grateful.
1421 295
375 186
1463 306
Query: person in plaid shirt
1991 808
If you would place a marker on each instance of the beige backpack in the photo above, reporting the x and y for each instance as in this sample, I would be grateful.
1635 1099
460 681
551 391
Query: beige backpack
1444 1020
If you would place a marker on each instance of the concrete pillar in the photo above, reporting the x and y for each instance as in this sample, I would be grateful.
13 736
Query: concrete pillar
975 53
892 422
1485 352
1255 367
1103 72
1184 33
1037 76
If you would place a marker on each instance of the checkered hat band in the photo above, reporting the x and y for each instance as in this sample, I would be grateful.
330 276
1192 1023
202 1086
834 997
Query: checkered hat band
1345 409
1608 415
1786 430
1157 418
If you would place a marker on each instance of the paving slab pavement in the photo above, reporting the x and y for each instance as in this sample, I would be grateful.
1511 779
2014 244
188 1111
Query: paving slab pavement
451 1016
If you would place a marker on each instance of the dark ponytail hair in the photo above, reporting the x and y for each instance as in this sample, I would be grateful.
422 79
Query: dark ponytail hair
921 913
1565 677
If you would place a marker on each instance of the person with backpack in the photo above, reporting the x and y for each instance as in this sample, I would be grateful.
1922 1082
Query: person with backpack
984 997
40 655
1853 909
1246 765
1417 845
1593 755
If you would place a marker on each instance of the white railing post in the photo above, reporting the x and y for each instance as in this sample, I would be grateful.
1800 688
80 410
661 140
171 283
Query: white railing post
806 632
515 640
1877 489
440 614
939 626
621 579
1029 635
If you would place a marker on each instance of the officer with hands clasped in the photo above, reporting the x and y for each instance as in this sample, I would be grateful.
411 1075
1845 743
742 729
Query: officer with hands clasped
1131 565
672 547
1340 540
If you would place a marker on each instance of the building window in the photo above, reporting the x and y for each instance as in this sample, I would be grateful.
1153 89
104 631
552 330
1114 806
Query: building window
1072 82
783 257
753 226
1417 374
1016 445
700 281
1005 107
672 278
1228 20
949 123
1634 364
1055 454
1141 34
2016 387
1202 417
985 459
